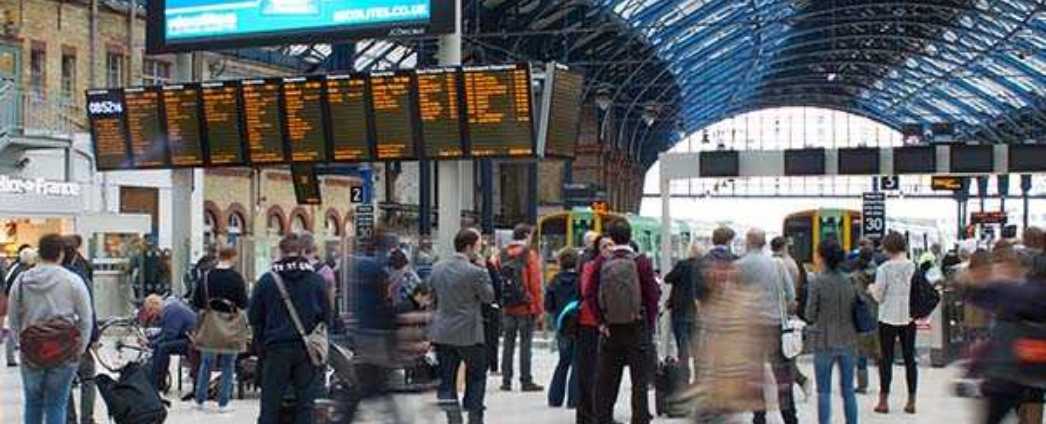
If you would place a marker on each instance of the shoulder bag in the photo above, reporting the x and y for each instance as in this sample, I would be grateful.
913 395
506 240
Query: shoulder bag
316 342
791 330
220 332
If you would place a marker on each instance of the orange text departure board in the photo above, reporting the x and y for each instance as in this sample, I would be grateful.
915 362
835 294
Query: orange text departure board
105 111
261 118
347 102
221 116
303 107
440 113
499 105
393 115
182 120
144 131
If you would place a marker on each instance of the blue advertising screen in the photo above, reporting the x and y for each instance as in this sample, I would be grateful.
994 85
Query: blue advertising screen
182 25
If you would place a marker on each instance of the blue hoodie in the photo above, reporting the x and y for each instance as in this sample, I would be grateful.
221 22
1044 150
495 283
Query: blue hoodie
268 314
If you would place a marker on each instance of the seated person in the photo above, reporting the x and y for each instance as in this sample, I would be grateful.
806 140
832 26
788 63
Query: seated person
175 320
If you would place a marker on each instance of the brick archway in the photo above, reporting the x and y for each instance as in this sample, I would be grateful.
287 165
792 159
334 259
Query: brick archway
333 216
303 214
237 209
217 217
275 212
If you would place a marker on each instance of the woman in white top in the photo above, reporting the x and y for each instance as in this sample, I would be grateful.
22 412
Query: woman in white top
892 289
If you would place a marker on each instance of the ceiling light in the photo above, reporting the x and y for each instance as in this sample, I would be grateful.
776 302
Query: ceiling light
832 76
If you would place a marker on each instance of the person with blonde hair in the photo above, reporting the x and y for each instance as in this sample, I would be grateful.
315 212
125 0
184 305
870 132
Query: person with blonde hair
176 320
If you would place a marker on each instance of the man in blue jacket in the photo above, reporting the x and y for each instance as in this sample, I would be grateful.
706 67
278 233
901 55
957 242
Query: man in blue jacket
176 321
285 360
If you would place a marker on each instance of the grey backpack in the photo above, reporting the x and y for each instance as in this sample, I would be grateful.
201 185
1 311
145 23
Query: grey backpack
620 297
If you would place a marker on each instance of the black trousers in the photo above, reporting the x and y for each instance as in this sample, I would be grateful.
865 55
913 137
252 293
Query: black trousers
586 349
288 367
888 334
492 337
627 345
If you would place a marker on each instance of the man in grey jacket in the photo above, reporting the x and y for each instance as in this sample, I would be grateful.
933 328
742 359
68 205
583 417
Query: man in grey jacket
44 292
462 286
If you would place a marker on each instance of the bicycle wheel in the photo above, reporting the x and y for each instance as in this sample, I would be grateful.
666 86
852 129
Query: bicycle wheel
119 345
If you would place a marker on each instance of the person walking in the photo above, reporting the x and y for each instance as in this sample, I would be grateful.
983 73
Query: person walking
780 247
833 337
77 264
520 271
684 277
863 276
49 307
892 290
27 258
561 292
286 360
402 279
222 289
462 286
769 277
492 316
626 293
587 346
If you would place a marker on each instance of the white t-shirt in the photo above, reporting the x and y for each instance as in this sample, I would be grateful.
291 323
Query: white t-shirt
892 289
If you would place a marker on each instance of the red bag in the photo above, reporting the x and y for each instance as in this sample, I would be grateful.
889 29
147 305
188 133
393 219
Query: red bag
50 343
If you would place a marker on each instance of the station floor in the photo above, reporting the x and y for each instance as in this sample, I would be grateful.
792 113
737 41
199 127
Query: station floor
936 403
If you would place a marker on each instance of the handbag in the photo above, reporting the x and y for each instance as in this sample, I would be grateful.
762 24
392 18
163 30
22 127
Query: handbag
316 342
217 331
791 330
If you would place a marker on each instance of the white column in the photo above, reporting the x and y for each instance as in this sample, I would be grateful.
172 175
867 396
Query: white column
450 172
186 211
666 221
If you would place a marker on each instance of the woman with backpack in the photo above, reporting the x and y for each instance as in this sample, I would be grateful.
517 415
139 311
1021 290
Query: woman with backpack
560 293
892 290
224 290
833 336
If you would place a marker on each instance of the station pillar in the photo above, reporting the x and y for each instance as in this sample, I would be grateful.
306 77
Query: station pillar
1025 195
450 173
186 201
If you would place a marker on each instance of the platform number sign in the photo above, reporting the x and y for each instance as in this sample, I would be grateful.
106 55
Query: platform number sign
890 183
873 216
356 194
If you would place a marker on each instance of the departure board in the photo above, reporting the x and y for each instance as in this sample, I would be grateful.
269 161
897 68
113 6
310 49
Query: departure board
221 116
303 111
105 111
564 116
148 147
306 184
182 120
347 102
499 107
261 113
393 119
440 113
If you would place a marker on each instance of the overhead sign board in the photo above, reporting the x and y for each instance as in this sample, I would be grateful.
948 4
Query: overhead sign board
873 216
184 25
946 183
993 217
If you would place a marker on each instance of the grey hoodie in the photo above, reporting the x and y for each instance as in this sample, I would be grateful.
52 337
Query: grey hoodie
48 291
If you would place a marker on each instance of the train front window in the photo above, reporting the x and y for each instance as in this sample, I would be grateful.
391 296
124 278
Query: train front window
581 225
831 228
801 232
553 237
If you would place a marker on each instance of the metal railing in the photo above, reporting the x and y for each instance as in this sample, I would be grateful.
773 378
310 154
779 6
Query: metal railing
27 113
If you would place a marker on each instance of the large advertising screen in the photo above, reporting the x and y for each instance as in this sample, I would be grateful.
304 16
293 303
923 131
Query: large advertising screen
183 25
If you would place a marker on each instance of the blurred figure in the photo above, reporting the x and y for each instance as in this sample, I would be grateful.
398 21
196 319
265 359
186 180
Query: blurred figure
220 287
590 250
77 264
767 276
684 278
26 260
520 270
176 320
626 291
402 279
587 346
561 292
976 320
863 277
892 290
311 253
462 286
833 337
779 246
1034 241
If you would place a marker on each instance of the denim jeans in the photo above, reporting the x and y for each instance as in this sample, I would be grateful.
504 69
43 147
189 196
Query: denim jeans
162 359
88 390
823 363
524 327
286 367
46 391
10 343
450 358
226 362
562 386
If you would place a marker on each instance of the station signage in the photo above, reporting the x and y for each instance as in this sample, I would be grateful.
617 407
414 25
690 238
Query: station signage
39 186
946 183
873 216
993 217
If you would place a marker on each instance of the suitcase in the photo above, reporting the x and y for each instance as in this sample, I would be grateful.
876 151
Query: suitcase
668 382
132 399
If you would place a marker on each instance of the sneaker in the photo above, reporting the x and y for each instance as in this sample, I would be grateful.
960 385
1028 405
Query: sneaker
226 409
12 364
807 389
506 387
531 387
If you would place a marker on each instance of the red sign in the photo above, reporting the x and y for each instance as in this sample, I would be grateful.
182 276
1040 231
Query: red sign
995 217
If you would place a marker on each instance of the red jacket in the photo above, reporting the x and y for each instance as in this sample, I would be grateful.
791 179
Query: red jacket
531 277
587 316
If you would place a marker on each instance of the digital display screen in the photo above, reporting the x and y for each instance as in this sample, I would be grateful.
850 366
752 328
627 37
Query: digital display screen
859 161
804 162
306 184
148 146
183 25
347 101
181 105
1028 158
564 117
915 160
261 115
221 116
499 105
393 119
440 113
105 112
972 159
719 164
303 109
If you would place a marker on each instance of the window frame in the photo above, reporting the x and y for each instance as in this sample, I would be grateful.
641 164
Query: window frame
38 74
68 80
117 58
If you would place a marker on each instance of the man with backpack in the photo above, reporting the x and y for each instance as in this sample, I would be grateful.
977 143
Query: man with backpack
520 271
626 292
51 312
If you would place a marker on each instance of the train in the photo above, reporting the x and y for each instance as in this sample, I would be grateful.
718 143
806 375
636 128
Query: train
809 227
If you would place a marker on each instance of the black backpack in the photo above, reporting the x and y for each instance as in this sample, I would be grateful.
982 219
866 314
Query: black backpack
924 297
513 285
132 399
